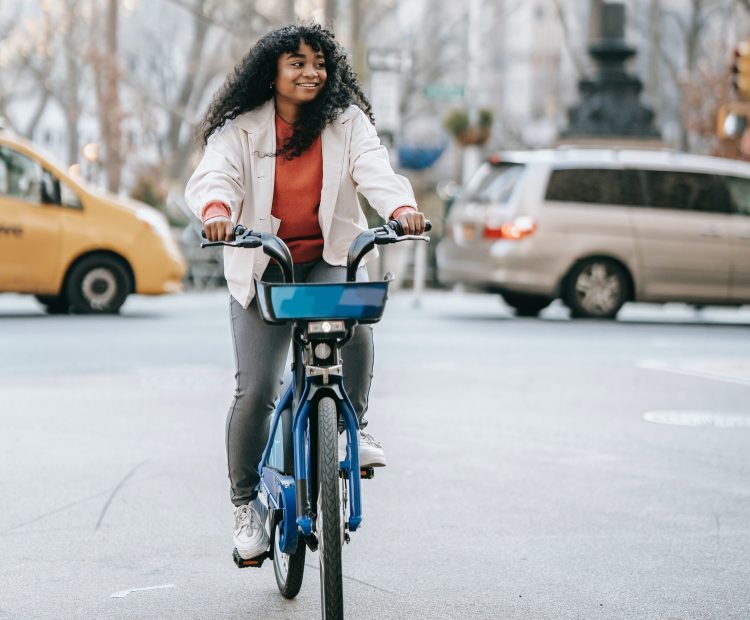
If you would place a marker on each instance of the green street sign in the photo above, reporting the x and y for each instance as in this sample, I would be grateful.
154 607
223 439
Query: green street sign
444 92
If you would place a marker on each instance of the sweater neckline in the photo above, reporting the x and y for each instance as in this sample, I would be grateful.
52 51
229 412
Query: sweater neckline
278 117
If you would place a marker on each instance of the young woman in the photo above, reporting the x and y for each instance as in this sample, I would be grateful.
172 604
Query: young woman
289 142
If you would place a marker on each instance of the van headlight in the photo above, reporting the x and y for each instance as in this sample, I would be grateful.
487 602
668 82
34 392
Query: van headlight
156 220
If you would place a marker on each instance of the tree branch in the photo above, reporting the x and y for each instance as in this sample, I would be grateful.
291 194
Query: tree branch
210 20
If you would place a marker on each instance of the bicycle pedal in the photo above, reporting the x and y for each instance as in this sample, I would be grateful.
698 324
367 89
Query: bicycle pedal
366 472
256 562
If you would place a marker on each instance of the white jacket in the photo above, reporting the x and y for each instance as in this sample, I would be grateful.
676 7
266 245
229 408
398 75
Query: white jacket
236 170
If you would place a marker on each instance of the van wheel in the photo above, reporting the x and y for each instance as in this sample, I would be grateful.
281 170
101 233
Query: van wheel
53 304
97 285
596 288
526 305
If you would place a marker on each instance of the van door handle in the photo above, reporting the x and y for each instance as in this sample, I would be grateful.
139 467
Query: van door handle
711 232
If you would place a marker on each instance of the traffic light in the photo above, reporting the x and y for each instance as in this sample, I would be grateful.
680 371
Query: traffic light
741 69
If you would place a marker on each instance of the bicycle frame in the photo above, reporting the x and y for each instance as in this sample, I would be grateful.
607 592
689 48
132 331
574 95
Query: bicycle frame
278 484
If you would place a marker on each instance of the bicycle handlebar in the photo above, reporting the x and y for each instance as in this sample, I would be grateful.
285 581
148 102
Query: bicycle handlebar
382 235
274 247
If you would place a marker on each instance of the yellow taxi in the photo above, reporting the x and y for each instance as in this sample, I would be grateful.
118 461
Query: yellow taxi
73 246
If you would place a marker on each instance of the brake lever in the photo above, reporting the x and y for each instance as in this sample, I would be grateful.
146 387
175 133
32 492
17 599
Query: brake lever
250 242
392 237
413 238
242 239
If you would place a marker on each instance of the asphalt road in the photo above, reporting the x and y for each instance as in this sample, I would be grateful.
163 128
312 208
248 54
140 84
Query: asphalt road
537 468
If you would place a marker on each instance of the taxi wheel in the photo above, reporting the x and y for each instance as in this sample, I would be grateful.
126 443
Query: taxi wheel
97 285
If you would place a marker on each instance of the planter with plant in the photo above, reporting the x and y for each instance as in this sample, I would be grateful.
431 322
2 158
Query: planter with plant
457 123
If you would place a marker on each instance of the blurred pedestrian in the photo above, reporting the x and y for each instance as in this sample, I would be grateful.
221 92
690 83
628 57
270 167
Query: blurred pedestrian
289 141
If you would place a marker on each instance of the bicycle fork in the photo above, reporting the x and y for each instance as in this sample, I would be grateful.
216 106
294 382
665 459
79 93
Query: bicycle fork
313 391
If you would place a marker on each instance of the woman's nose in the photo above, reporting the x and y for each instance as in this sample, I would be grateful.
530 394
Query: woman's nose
311 71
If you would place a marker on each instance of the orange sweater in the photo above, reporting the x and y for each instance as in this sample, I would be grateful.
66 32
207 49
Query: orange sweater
296 198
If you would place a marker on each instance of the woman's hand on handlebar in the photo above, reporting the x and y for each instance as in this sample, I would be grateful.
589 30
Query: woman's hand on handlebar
219 229
412 222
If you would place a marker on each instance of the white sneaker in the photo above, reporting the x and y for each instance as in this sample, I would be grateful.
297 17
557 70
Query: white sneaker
371 453
250 537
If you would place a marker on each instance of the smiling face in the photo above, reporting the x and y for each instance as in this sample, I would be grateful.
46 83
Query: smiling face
300 76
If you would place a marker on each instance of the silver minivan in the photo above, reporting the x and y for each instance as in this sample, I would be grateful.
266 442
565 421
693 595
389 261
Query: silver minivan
600 227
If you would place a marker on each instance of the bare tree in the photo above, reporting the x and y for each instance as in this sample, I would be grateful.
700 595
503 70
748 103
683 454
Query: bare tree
27 64
107 72
69 93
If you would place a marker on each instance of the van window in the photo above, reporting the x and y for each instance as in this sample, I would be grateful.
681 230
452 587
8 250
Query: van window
739 191
20 176
493 183
686 191
595 186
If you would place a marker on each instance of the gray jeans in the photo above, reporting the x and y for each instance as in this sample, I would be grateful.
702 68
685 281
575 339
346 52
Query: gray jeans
260 354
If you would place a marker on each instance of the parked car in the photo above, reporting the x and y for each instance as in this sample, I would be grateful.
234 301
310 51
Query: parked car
600 227
73 246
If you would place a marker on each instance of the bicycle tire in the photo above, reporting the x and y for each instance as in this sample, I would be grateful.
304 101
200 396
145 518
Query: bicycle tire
288 568
328 521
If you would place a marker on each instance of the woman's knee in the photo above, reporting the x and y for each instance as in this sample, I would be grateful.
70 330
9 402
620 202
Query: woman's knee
254 400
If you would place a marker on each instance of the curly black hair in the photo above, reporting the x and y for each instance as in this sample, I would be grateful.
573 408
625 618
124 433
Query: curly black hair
248 86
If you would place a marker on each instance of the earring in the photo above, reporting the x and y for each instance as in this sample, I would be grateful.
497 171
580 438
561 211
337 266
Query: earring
270 86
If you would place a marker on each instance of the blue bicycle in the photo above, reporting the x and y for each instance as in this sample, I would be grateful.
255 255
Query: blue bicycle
307 496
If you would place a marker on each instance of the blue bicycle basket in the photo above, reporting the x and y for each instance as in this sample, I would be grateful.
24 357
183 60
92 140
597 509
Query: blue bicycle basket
363 302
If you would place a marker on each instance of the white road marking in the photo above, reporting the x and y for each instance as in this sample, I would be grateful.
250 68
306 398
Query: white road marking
698 418
718 370
124 593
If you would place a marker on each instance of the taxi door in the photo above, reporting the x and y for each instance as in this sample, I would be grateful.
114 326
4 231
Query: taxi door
29 225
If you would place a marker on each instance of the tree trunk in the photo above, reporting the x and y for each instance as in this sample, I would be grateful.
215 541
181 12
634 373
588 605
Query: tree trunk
358 46
176 120
331 10
692 41
653 86
73 80
110 113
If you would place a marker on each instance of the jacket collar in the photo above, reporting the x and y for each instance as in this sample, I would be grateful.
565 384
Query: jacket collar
258 120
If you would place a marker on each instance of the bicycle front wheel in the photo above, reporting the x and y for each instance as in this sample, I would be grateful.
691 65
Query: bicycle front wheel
328 523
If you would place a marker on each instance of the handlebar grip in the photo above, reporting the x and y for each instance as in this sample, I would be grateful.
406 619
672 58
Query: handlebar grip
397 228
239 230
